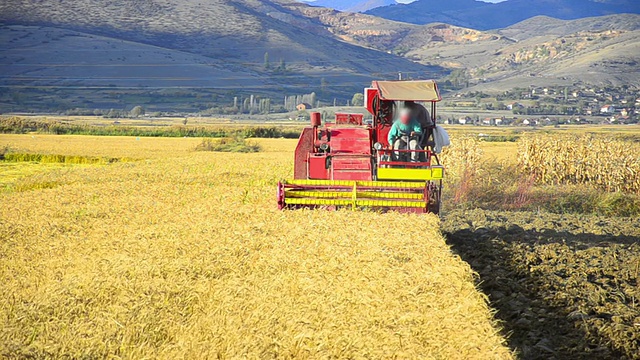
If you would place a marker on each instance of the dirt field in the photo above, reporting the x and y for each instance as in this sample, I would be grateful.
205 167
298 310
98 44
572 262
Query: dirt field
563 276
565 286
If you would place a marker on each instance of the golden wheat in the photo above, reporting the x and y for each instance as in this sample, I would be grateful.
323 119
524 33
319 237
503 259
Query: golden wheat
184 255
605 162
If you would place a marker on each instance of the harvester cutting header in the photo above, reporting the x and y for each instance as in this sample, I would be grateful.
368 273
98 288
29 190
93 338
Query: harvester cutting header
390 163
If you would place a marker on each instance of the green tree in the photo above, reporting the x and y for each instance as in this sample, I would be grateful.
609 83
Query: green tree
137 111
112 114
357 100
283 66
267 64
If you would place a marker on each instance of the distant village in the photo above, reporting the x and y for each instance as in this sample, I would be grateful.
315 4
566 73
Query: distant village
533 106
550 106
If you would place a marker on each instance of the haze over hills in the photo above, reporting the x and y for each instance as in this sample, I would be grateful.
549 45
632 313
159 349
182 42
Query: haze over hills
481 15
351 5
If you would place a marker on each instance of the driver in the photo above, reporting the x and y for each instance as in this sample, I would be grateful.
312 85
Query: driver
419 113
405 131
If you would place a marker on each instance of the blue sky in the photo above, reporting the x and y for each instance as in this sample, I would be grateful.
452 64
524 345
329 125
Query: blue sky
410 1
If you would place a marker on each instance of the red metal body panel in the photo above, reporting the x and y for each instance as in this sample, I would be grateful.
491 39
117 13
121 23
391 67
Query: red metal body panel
351 140
318 167
304 148
350 153
351 168
348 156
352 119
370 95
351 163
383 135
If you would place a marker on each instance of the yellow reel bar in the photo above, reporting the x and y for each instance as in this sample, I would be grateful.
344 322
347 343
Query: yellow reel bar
357 203
359 194
350 183
355 194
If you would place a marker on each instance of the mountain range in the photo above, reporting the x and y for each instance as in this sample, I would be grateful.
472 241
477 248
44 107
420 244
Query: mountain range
99 54
218 44
538 51
481 15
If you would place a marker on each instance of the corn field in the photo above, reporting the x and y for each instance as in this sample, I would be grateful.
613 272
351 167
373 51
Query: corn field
604 162
462 158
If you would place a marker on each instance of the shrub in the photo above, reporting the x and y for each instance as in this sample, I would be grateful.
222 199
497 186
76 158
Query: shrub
3 151
57 159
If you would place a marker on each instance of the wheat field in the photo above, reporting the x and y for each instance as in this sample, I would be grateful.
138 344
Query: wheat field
183 255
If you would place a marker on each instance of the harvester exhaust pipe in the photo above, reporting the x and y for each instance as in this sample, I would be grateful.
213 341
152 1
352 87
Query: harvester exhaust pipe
316 119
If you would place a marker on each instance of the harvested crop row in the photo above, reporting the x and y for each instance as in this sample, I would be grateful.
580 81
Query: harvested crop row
188 258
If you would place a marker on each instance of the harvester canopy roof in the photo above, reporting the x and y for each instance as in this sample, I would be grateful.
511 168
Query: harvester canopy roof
423 90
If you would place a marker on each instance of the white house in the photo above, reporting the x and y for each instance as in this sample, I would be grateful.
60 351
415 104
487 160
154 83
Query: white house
514 105
607 109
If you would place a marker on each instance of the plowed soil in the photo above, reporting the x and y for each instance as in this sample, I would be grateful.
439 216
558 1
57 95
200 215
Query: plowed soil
564 286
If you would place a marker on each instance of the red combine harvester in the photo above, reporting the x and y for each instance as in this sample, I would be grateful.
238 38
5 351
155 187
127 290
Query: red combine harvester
348 163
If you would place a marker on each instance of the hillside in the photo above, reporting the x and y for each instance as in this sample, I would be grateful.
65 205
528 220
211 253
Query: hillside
540 50
190 34
180 55
480 15
544 25
543 51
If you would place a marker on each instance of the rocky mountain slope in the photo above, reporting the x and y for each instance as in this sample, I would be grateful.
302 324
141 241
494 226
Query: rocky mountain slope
543 51
540 50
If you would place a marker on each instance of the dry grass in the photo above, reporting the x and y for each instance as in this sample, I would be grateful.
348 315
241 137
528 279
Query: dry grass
184 255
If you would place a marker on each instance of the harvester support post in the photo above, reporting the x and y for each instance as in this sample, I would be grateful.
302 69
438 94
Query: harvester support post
354 196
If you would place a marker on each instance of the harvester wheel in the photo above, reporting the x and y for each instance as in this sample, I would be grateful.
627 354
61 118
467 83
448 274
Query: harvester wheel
434 208
435 193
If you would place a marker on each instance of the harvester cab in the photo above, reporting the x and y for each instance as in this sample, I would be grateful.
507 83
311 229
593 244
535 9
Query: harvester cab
350 163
